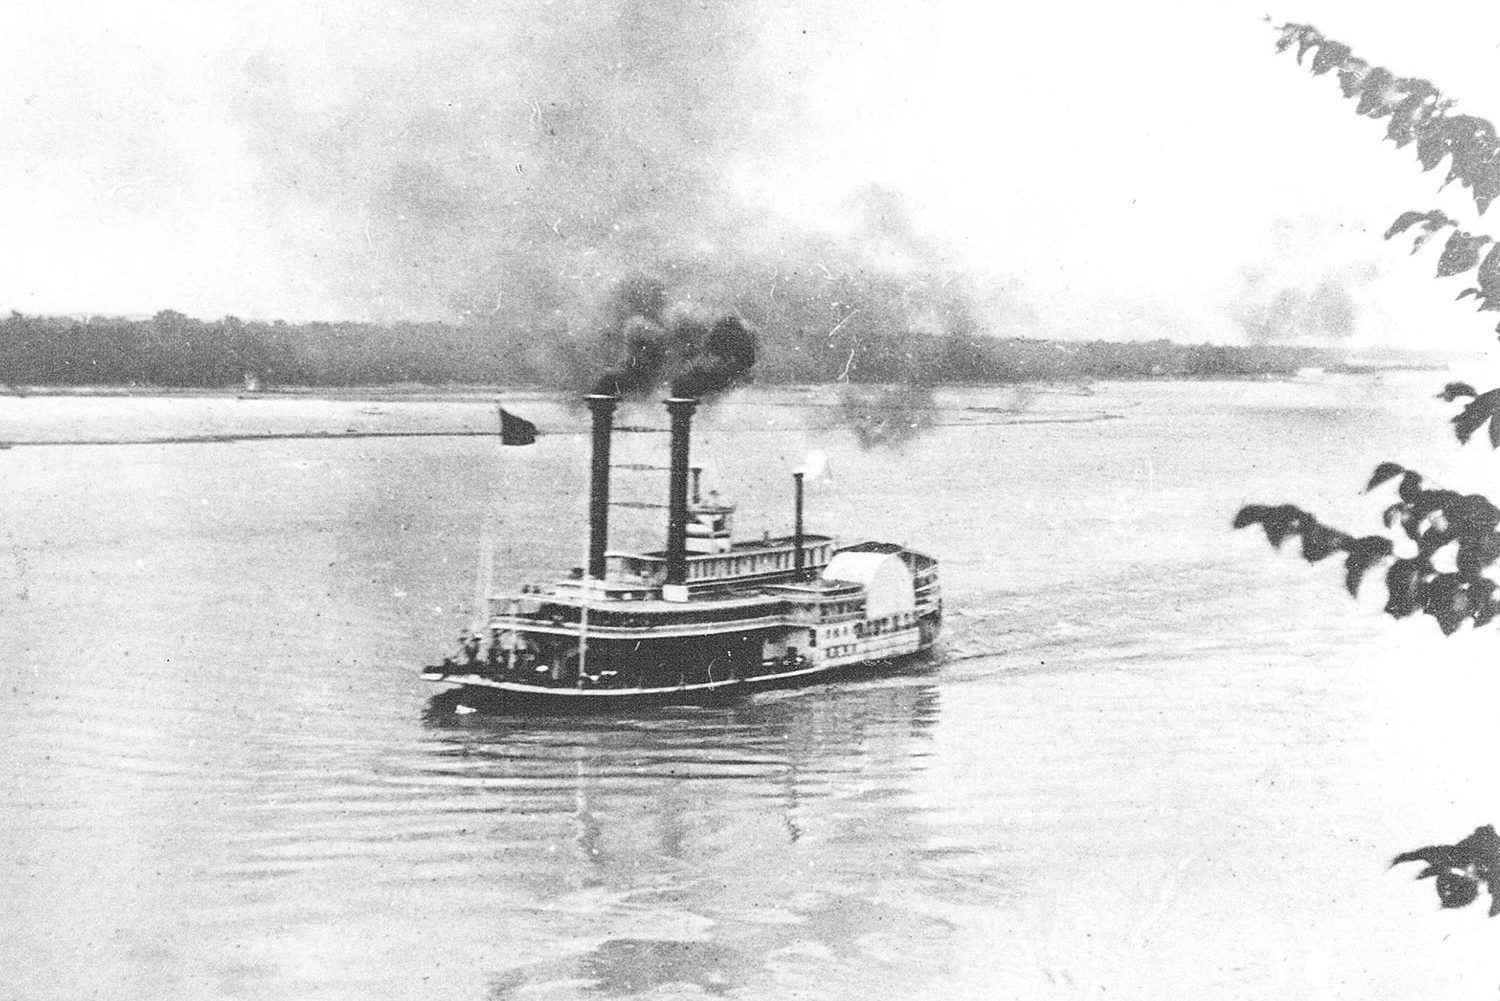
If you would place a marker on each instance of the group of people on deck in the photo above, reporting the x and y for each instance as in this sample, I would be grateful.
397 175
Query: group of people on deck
474 654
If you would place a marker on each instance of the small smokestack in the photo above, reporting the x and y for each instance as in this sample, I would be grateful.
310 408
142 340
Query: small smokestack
681 411
799 558
602 407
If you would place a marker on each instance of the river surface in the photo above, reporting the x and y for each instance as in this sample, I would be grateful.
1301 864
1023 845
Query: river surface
1156 759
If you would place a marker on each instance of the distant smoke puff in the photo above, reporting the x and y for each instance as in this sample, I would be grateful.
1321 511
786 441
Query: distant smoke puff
1276 303
1326 313
888 416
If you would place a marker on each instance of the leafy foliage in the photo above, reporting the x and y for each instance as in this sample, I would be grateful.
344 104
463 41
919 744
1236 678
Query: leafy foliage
1418 111
1441 528
1460 868
1483 407
1439 544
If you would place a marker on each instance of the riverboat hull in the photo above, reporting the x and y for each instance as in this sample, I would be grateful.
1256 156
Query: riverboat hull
507 697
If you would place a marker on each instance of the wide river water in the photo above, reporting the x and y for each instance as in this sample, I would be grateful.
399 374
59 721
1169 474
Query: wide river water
1156 759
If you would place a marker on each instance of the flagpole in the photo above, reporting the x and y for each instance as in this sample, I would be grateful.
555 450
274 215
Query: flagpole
484 577
521 432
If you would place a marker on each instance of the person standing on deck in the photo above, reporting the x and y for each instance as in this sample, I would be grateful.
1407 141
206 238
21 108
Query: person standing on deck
493 655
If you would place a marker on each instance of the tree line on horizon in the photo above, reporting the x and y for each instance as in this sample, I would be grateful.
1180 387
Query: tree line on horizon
174 350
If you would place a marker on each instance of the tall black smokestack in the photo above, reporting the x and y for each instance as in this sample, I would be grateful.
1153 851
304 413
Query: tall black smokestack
603 409
800 560
681 411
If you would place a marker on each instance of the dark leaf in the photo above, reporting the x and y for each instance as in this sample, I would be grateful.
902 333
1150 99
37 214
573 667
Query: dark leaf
1383 472
1309 38
1460 868
1453 391
1411 111
1330 54
1489 278
1291 33
1437 857
1432 223
1446 600
1352 76
1411 486
1319 542
1402 128
1481 594
1473 514
1432 142
1486 185
1471 140
1363 554
1475 166
1468 292
1404 582
1472 417
1460 253
1456 889
1279 522
1404 222
1476 553
1250 514
1487 612
1375 97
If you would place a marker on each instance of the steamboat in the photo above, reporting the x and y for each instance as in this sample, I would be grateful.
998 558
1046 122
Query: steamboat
708 617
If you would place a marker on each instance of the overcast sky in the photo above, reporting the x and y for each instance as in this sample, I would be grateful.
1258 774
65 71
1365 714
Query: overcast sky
1108 170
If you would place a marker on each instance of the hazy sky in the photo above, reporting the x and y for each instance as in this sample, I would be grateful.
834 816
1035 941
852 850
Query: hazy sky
1100 170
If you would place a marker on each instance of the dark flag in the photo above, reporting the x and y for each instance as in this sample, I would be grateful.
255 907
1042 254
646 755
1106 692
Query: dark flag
515 430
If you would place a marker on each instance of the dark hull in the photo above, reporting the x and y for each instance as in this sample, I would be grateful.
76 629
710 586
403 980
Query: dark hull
526 700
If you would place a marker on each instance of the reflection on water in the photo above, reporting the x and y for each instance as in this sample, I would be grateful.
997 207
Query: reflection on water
696 836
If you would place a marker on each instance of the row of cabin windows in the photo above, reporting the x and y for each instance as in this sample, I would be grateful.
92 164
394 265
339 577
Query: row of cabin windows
863 629
738 564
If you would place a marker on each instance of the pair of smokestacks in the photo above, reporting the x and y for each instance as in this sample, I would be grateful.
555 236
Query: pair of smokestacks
680 409
602 407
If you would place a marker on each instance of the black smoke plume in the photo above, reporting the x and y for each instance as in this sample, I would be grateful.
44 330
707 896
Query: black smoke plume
724 361
650 342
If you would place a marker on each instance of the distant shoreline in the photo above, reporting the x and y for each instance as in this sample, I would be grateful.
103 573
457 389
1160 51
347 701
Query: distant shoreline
416 392
170 352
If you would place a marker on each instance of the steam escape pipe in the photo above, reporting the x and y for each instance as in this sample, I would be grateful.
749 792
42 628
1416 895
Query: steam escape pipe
681 411
602 407
799 557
